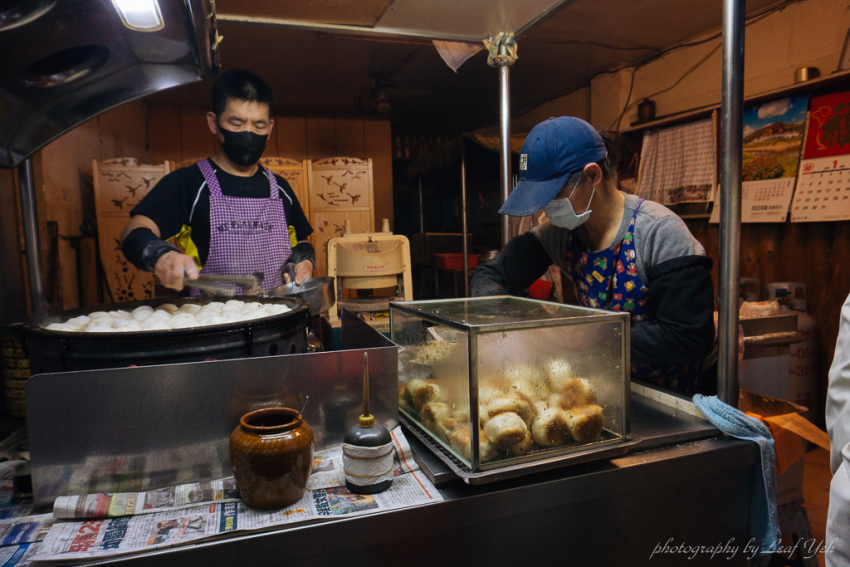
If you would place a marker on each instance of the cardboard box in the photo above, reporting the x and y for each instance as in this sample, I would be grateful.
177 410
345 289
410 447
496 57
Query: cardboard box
789 485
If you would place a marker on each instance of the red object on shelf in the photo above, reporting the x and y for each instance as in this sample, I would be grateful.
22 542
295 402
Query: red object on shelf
454 261
540 290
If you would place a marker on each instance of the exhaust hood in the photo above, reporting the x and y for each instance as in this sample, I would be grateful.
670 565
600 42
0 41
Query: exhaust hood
66 61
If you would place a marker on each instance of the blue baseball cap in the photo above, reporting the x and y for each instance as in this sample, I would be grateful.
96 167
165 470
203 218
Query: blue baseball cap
553 150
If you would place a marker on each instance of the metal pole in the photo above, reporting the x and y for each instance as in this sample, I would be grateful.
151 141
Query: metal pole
421 208
505 141
31 237
731 148
465 243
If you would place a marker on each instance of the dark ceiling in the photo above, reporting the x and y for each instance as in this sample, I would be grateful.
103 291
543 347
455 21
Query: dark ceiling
332 73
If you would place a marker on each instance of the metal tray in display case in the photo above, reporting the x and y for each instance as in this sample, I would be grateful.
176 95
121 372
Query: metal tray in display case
547 384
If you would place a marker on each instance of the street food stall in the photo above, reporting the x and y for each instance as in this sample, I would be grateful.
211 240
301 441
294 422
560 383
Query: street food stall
515 426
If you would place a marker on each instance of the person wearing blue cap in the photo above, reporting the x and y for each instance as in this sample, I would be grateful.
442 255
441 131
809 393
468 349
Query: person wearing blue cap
622 253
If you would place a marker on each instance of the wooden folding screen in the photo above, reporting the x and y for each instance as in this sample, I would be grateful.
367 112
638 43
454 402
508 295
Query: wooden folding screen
119 184
340 189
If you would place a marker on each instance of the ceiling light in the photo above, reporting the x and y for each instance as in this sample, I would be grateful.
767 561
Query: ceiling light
140 15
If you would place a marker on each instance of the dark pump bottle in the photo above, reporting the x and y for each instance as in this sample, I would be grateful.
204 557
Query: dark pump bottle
367 433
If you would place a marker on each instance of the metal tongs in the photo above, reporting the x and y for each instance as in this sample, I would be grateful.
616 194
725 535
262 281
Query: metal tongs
222 285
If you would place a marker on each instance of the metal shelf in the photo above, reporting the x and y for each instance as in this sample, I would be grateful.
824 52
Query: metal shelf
705 111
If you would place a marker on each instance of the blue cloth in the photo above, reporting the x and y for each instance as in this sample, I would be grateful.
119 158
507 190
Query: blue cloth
764 524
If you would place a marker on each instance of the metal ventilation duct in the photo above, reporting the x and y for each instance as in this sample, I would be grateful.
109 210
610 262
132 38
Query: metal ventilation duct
67 61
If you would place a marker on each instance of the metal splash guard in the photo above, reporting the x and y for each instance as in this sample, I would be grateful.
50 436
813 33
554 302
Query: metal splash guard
138 429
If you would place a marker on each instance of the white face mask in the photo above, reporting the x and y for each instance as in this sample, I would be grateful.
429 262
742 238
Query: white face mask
561 213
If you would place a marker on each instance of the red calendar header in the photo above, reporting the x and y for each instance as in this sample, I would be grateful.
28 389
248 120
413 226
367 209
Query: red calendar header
829 126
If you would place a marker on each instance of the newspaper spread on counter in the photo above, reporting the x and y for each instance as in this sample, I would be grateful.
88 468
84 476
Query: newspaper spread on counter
177 520
20 529
18 555
91 539
25 529
327 473
20 537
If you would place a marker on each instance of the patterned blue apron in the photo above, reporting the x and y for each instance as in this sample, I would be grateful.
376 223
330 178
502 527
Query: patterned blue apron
608 279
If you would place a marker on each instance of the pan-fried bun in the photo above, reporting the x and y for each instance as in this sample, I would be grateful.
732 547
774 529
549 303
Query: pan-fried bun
550 428
505 429
461 441
586 422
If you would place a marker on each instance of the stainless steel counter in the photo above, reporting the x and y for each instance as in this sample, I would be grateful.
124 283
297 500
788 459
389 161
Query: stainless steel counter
607 513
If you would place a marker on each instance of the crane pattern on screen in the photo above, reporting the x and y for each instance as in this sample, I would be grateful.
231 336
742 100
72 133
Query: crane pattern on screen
342 195
120 185
340 189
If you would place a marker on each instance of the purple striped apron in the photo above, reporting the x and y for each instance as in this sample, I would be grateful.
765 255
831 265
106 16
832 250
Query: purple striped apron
246 235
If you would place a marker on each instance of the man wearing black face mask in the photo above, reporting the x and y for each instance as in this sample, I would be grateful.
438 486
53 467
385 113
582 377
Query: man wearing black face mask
231 216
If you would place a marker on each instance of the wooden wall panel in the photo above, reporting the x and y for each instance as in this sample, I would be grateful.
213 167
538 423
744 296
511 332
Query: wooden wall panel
321 138
65 170
768 251
350 138
197 142
164 133
13 308
291 137
118 138
815 254
271 144
379 147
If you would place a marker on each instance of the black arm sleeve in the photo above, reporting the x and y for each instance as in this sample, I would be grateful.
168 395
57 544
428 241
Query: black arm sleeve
143 249
519 265
681 302
303 251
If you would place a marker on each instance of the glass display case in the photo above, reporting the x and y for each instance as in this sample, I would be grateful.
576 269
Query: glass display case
545 383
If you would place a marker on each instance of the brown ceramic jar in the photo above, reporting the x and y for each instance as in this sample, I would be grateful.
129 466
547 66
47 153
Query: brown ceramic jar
271 455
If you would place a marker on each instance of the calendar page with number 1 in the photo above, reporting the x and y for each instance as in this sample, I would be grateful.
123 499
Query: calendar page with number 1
823 183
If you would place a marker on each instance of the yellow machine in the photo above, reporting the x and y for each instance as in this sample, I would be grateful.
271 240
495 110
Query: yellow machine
375 268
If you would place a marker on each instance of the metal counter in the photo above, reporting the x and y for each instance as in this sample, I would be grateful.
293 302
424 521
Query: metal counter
604 513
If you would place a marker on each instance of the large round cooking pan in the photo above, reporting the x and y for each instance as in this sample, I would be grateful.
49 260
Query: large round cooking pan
59 351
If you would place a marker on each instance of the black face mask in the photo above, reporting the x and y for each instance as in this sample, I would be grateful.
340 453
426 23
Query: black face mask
243 148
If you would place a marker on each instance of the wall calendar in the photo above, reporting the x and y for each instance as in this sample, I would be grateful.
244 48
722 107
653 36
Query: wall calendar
823 183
